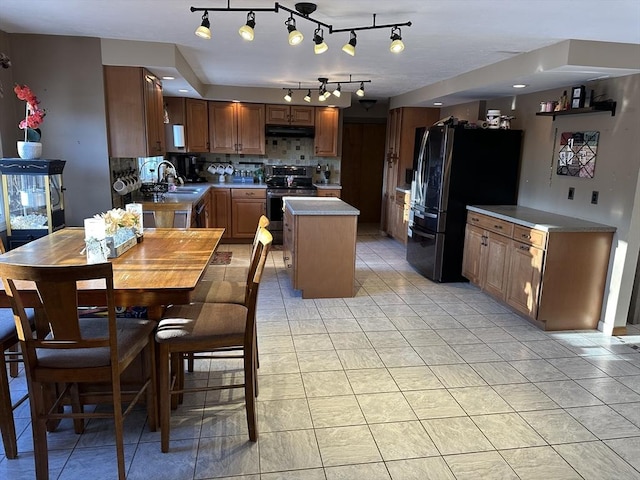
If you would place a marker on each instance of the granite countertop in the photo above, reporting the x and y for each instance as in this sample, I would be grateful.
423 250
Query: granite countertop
321 186
318 206
189 193
236 185
539 219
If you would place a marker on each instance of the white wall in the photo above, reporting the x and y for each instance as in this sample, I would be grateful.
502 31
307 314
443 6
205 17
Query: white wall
66 75
616 175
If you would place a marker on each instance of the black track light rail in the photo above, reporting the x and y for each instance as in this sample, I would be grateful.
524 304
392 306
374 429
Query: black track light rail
304 13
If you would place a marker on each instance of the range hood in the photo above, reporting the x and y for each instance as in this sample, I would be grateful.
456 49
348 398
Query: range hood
289 131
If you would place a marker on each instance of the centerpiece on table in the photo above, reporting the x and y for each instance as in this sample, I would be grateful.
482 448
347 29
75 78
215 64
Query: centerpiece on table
121 229
30 148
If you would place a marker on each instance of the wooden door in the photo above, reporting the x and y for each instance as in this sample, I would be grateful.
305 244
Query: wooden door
302 116
251 140
496 265
472 254
326 138
220 209
197 125
154 110
525 273
223 127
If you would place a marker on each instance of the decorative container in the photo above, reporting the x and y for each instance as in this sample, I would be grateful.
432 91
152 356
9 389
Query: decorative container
29 150
121 241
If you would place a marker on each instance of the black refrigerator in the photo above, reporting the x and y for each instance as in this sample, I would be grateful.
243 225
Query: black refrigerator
454 167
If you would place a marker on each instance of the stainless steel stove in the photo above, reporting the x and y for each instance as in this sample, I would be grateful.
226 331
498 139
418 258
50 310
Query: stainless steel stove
285 181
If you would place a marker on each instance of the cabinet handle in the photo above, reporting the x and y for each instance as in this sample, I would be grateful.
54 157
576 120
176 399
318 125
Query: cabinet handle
524 247
475 219
286 258
524 235
288 265
498 227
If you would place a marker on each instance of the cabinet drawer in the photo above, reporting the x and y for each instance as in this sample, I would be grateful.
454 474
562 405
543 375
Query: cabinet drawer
248 193
491 223
530 236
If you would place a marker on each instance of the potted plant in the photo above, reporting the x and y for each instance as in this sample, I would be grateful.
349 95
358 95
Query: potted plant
30 147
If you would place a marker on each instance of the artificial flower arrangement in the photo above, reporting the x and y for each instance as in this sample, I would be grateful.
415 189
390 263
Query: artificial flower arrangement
122 229
34 115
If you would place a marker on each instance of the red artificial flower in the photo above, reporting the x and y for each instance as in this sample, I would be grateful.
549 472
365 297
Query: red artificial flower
35 115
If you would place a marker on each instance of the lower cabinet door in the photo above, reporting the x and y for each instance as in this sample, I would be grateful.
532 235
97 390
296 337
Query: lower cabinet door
496 265
245 216
525 273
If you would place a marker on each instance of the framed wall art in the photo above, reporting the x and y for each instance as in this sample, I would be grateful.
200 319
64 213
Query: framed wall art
577 154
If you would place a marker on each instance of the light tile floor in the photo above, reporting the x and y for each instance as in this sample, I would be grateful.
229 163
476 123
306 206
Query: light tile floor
407 380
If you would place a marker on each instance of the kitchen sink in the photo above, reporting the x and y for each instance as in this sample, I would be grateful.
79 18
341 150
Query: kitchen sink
189 191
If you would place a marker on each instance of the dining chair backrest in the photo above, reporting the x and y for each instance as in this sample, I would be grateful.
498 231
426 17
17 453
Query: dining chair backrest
254 276
57 295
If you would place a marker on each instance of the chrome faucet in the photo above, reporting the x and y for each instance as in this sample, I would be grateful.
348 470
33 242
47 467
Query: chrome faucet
163 171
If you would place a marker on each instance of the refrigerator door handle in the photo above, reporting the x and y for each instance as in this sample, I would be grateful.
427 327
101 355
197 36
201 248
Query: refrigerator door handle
423 234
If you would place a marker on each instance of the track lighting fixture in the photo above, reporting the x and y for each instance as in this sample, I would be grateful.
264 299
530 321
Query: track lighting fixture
203 31
337 92
246 31
360 91
302 10
323 92
287 97
295 37
307 97
350 47
396 40
318 38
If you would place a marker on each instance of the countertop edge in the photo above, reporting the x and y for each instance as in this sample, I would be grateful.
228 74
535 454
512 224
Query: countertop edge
320 206
540 219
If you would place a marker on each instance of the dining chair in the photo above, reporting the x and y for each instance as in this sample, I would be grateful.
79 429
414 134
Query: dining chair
225 291
199 329
166 218
78 353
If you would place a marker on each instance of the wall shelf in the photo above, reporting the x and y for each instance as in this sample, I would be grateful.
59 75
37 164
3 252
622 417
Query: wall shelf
609 106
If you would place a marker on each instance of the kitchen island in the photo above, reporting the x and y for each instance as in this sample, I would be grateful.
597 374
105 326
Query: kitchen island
319 246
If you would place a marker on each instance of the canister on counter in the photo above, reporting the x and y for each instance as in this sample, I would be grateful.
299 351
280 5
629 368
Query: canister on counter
493 118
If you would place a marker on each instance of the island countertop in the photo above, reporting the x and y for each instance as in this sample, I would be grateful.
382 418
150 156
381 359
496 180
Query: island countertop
539 219
318 206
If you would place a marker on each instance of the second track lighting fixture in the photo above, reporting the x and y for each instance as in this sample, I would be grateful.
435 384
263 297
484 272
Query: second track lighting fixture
350 47
307 97
246 31
360 91
203 31
318 39
337 92
396 40
323 92
302 10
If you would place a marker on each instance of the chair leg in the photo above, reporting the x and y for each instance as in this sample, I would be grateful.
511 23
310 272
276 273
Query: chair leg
39 429
249 393
152 388
7 425
13 365
164 395
190 362
177 367
118 421
76 407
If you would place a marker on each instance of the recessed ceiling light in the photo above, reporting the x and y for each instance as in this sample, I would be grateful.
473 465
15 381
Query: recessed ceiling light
168 78
183 90
520 85
437 104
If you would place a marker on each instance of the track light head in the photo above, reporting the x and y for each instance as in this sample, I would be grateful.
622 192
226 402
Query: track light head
318 38
337 91
350 47
360 91
396 40
307 97
321 91
295 37
288 97
246 31
203 31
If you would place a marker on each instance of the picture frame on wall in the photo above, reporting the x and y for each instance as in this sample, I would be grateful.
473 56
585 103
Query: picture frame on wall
577 96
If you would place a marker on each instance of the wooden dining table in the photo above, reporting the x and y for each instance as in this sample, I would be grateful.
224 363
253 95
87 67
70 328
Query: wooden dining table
161 270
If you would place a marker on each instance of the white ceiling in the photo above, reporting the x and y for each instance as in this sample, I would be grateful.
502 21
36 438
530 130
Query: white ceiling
448 38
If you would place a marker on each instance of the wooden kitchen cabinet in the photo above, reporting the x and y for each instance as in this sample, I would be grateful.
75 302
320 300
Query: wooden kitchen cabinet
290 115
192 113
220 210
236 128
134 108
328 192
326 136
399 216
556 278
247 205
401 133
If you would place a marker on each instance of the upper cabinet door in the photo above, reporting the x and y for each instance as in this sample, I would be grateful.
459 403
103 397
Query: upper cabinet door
154 115
326 138
278 114
303 116
197 125
251 128
223 131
